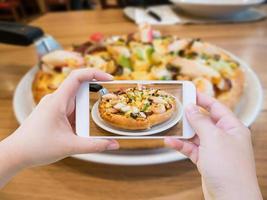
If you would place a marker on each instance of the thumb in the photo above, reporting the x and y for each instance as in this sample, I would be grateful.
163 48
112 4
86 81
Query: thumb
88 145
200 122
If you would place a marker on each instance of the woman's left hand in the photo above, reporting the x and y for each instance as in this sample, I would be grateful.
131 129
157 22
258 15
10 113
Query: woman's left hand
47 135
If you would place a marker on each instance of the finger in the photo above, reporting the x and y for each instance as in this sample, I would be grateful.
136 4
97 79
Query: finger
72 83
220 114
185 147
200 122
88 145
214 107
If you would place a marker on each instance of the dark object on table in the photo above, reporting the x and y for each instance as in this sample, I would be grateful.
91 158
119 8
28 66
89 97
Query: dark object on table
124 3
18 34
55 4
144 2
81 4
93 87
154 15
23 35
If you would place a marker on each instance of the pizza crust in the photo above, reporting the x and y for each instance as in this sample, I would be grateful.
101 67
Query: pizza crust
39 86
156 119
232 97
45 83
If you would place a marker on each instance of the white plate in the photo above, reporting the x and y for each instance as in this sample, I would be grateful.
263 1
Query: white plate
155 129
215 8
247 111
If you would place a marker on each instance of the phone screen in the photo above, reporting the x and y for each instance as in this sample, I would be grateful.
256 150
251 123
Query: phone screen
134 109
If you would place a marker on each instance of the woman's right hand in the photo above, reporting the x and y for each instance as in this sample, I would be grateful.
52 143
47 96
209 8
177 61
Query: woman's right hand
222 151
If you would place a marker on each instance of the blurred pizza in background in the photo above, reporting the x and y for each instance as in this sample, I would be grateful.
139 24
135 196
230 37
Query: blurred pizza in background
147 55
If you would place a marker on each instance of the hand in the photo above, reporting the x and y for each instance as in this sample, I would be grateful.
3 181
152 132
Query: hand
221 150
47 136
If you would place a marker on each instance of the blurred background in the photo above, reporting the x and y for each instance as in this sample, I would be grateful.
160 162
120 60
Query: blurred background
28 10
25 11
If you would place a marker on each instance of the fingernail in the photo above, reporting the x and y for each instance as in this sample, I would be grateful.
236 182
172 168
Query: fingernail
192 109
173 143
169 142
113 145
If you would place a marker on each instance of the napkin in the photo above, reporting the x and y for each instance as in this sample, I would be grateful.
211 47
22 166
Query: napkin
167 15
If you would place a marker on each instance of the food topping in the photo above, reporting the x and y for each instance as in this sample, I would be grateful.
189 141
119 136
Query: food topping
110 96
146 33
158 108
148 55
59 59
96 37
138 102
224 85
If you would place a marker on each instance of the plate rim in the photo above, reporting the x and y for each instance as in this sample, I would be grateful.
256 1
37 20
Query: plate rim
126 160
252 3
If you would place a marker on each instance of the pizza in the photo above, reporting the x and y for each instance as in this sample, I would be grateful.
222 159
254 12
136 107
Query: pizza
147 55
53 69
137 108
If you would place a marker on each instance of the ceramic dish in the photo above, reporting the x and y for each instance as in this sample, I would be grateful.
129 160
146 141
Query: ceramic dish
215 8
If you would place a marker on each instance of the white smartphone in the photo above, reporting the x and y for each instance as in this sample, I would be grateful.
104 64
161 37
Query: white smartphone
134 109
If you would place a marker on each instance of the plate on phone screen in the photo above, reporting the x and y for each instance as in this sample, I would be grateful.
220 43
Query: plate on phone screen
176 117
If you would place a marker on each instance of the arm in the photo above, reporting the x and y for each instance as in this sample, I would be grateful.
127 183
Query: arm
11 164
47 135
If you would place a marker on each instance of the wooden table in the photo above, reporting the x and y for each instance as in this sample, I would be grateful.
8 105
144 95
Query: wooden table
74 179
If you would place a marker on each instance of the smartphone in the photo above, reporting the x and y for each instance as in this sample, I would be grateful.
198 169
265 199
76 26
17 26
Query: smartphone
134 109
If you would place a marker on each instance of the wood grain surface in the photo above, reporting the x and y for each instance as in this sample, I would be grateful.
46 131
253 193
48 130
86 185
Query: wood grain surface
73 179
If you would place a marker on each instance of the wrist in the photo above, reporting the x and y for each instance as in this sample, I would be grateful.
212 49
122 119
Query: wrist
10 159
245 191
11 153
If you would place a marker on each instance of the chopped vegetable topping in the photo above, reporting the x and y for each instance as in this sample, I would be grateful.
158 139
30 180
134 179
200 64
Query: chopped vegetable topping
96 37
138 102
124 62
